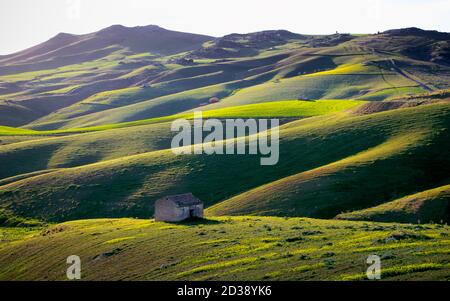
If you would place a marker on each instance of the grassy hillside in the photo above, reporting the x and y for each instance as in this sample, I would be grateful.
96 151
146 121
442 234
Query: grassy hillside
424 207
227 248
378 86
357 180
328 165
64 49
85 139
126 139
157 107
124 86
164 88
290 108
75 150
327 86
11 131
281 109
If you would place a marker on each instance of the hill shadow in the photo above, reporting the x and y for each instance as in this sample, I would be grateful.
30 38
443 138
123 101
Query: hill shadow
197 221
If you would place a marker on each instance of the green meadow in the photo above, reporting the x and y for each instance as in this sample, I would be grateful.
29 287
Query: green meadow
226 248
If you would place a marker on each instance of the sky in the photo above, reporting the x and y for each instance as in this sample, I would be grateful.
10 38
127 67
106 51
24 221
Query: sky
25 23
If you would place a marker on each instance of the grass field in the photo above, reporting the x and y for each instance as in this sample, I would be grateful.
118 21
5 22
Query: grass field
226 248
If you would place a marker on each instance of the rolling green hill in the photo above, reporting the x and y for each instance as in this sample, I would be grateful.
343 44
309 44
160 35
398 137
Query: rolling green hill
85 141
126 139
132 81
65 49
360 178
281 109
328 165
81 149
11 131
266 87
424 207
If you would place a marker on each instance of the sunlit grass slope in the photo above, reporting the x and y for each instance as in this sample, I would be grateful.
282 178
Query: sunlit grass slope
286 108
122 97
80 149
342 83
424 207
118 140
12 131
328 165
157 107
374 175
113 84
166 91
240 82
291 108
226 248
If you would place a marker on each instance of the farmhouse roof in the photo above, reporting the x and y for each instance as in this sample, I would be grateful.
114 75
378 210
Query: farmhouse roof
182 200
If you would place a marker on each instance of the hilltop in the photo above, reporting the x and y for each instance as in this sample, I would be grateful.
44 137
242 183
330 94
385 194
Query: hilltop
67 49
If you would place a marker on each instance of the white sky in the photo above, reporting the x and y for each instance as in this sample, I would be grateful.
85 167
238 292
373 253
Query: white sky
24 23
